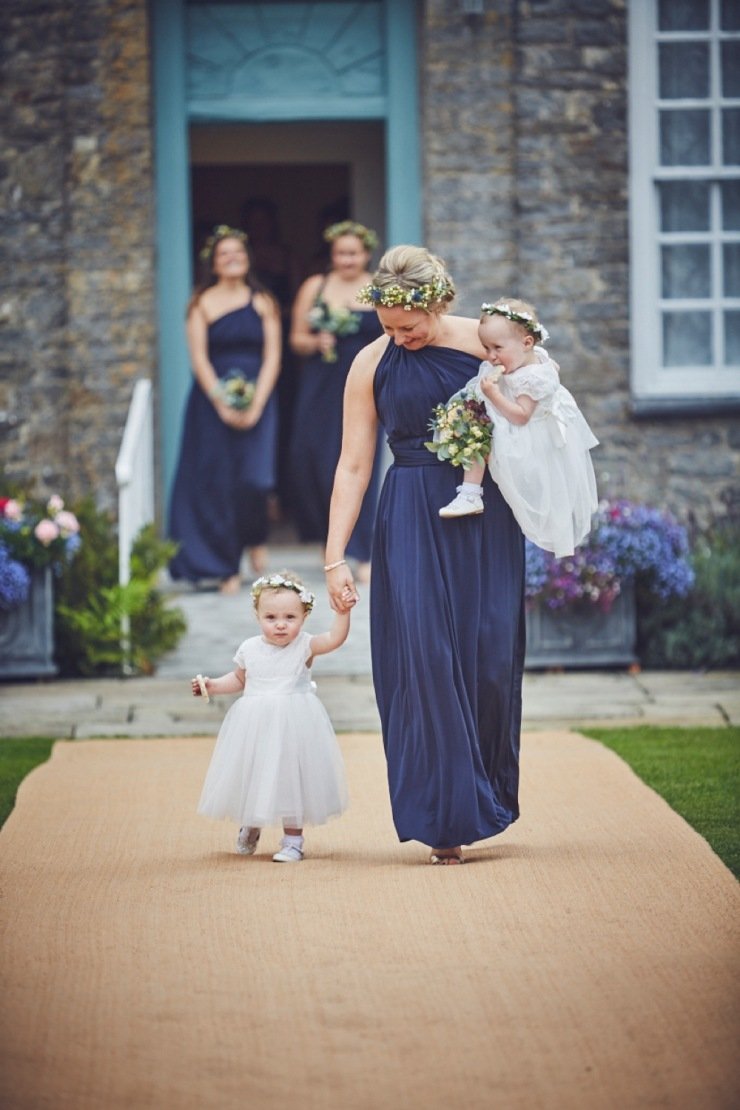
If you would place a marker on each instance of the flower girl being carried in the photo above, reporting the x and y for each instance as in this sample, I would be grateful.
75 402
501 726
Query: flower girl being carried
540 454
276 760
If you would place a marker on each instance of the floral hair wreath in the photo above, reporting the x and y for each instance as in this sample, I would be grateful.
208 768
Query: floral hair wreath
223 231
366 235
280 582
395 296
526 319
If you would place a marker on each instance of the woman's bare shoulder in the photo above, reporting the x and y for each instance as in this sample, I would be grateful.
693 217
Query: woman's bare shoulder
461 332
366 360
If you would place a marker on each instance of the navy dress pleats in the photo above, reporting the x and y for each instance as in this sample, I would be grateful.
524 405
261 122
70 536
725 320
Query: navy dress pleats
219 498
447 622
317 441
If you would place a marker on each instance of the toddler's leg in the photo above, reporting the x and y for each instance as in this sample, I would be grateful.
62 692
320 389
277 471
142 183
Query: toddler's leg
247 840
469 500
291 848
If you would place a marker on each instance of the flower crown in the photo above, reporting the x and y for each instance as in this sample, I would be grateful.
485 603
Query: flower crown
366 235
395 296
524 318
280 582
223 231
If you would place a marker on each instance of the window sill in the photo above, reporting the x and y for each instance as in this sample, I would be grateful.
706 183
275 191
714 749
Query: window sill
679 407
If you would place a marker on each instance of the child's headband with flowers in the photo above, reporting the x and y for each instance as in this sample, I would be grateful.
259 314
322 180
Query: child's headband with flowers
366 235
279 582
223 231
524 318
395 296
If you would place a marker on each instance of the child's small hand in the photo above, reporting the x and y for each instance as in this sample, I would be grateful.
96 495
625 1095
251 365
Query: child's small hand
349 597
199 686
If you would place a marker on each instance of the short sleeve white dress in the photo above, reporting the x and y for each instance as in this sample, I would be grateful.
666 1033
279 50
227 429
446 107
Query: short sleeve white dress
543 468
276 760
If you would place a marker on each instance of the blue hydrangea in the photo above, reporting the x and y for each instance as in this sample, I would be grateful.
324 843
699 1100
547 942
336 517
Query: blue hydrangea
15 581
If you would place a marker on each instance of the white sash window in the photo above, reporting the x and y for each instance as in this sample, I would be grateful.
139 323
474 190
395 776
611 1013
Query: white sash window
685 202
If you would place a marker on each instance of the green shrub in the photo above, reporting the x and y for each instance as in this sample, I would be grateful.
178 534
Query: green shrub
90 603
703 629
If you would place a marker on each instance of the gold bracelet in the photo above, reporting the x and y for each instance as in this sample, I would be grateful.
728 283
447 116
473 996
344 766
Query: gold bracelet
333 566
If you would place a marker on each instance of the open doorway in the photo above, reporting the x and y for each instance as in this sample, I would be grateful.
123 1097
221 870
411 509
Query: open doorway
283 184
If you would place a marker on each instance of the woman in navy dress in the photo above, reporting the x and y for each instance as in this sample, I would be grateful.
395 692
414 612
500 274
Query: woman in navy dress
227 456
447 600
326 302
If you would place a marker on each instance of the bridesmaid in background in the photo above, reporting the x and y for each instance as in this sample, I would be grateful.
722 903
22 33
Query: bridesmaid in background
447 603
329 326
227 456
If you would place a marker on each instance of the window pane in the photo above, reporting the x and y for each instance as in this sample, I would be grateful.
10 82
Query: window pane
731 260
729 19
731 68
684 69
684 138
683 15
732 338
731 137
684 206
687 339
686 271
730 205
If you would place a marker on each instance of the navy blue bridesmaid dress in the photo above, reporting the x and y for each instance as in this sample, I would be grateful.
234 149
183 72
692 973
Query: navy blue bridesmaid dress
317 442
219 498
447 622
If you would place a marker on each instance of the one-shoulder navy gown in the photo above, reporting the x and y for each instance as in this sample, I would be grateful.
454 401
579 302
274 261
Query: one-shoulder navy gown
317 441
447 622
219 498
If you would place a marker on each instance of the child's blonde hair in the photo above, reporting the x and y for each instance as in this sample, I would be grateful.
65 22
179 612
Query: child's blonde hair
521 313
283 580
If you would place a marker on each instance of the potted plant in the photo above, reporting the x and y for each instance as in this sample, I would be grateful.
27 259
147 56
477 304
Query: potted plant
581 609
36 540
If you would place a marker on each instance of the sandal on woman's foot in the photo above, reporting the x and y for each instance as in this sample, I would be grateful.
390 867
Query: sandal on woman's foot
445 857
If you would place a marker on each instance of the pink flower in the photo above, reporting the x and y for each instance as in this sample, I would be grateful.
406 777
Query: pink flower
55 503
13 510
46 532
67 522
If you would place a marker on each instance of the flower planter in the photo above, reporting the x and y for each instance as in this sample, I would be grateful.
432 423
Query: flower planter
582 636
27 632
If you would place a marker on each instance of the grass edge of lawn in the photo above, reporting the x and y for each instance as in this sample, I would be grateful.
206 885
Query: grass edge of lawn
695 769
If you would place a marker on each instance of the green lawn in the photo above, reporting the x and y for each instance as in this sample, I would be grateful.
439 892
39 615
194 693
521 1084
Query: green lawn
17 758
696 770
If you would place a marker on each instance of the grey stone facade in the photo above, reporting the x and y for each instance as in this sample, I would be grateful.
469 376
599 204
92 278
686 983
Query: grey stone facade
524 116
77 306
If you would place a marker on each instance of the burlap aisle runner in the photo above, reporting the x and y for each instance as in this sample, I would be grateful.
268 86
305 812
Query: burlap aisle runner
587 958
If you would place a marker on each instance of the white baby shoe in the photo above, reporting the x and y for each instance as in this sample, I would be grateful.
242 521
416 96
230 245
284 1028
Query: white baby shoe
465 504
247 841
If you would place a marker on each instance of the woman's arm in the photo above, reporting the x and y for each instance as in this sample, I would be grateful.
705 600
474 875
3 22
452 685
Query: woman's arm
271 351
352 476
231 683
303 340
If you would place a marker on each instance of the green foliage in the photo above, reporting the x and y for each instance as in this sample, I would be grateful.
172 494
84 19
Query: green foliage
696 770
90 604
702 630
17 758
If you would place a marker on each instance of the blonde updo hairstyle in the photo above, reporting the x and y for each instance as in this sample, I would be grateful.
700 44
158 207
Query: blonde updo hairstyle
410 268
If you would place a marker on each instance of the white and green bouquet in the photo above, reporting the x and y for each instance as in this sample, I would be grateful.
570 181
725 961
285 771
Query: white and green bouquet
462 429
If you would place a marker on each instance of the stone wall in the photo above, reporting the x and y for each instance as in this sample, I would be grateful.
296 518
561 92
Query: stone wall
77 303
526 180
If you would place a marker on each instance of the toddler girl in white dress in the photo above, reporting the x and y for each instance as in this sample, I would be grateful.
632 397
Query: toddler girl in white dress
276 760
540 455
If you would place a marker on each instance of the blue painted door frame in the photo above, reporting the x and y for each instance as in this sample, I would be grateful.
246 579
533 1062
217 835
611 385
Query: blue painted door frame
399 109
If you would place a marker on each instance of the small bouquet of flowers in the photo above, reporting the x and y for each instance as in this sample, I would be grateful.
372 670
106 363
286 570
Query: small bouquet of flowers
462 430
338 321
235 390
